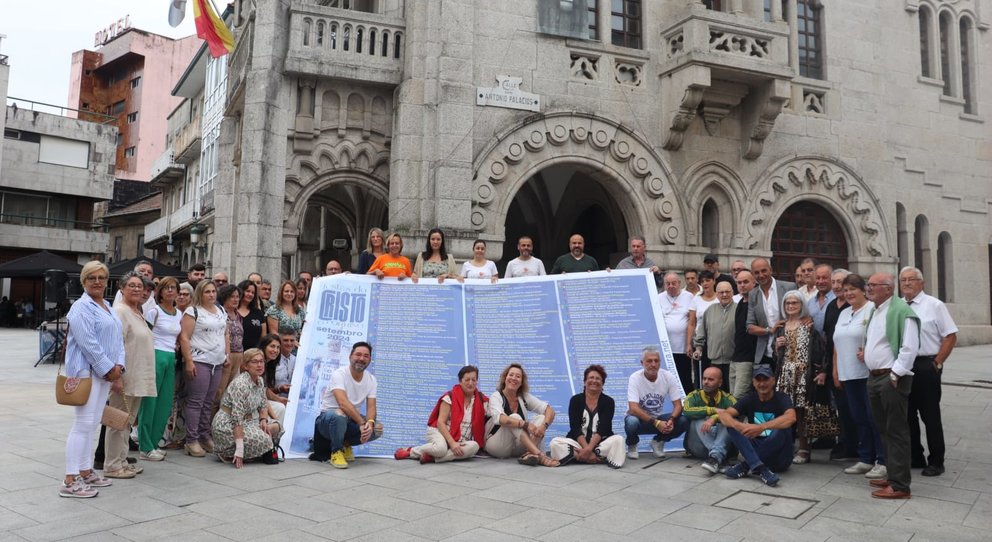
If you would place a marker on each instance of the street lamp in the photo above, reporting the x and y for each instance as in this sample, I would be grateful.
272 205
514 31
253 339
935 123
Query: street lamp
169 247
194 233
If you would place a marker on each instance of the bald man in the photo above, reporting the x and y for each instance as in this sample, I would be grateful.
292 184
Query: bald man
576 261
707 438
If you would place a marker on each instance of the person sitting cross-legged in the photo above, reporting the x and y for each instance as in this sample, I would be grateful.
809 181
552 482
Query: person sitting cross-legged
707 438
764 439
647 391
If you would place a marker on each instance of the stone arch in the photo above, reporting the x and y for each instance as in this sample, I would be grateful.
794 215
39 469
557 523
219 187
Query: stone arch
612 153
824 180
714 181
363 166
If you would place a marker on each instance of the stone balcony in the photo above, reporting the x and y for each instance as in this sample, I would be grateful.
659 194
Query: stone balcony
165 169
188 142
34 233
239 62
345 44
174 223
714 62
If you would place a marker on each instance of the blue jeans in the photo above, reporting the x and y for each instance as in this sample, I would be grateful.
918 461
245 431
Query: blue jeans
870 449
712 443
634 426
773 451
340 431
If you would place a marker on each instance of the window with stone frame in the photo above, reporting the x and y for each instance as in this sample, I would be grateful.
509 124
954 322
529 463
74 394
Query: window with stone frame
715 5
625 23
945 52
810 30
925 16
967 71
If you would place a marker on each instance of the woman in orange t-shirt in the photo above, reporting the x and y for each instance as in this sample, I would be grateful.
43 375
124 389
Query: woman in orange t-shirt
392 264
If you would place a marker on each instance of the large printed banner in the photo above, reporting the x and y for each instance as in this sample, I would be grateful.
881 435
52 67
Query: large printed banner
421 334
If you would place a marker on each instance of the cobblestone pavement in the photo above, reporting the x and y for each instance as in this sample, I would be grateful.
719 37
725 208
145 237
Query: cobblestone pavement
483 499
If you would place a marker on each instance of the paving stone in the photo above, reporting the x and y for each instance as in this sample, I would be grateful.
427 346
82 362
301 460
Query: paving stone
454 523
91 522
701 516
532 523
396 508
873 512
484 507
665 530
485 535
620 520
765 504
351 524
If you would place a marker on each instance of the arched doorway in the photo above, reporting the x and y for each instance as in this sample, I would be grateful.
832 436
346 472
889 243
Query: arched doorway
807 230
557 202
335 226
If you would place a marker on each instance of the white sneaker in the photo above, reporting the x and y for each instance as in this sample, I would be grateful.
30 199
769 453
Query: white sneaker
858 468
878 472
658 449
632 451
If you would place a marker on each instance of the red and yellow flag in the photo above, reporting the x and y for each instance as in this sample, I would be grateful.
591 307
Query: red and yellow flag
211 28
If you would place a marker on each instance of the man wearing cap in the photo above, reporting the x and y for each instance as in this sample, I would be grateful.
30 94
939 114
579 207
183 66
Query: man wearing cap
892 340
712 264
764 438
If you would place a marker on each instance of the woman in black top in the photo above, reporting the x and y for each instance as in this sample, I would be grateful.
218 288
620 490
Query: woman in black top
590 417
252 315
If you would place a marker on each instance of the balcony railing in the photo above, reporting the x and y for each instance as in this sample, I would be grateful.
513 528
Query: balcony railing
181 218
43 222
156 230
207 203
187 142
727 42
346 44
165 168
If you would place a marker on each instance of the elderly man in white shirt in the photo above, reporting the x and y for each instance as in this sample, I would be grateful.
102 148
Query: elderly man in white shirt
891 344
675 304
938 335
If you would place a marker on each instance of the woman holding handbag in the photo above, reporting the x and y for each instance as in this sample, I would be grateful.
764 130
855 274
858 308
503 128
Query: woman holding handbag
139 381
94 351
166 321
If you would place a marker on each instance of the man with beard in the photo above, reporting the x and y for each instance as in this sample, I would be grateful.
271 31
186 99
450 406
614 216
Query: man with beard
576 261
341 422
707 437
525 265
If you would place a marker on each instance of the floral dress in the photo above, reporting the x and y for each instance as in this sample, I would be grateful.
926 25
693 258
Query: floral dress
286 321
433 270
795 366
242 401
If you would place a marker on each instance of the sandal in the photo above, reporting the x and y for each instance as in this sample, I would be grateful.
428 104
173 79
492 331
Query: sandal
547 461
529 459
802 457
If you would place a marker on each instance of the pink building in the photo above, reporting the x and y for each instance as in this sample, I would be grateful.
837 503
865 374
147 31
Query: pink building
130 77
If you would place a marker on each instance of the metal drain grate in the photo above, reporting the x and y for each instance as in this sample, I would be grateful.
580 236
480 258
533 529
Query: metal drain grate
769 505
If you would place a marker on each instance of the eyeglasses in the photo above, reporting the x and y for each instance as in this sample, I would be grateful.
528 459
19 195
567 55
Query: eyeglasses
910 279
878 285
94 278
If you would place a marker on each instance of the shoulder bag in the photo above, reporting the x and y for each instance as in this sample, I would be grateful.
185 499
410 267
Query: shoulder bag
70 391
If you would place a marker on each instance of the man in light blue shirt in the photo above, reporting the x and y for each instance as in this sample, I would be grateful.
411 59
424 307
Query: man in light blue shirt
817 304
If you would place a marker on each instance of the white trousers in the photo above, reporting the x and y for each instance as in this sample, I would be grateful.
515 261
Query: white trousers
437 448
506 441
610 450
79 444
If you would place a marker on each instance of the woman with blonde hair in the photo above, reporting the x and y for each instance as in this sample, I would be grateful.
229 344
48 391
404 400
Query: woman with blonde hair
392 263
510 430
286 312
95 350
205 347
374 248
243 427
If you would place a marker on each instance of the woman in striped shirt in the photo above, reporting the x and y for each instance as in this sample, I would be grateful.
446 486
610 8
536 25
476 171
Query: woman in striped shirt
95 348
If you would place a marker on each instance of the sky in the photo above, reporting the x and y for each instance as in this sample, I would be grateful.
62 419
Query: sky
43 34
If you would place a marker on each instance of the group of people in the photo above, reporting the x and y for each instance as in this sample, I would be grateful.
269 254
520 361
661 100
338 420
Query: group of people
231 350
854 360
765 370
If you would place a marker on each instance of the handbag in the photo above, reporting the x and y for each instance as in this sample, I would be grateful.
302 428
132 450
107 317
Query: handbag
821 418
71 391
116 418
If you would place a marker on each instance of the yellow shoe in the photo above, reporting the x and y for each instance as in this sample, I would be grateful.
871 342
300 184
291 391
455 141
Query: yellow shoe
349 454
338 461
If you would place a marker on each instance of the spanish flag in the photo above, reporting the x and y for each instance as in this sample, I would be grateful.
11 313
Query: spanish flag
211 28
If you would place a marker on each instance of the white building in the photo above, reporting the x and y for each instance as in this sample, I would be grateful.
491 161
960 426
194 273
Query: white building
852 131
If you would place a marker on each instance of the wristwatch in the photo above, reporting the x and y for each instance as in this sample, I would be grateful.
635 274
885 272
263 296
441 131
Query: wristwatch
894 377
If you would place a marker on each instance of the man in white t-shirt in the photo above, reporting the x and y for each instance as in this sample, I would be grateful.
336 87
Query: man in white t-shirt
647 391
525 265
341 422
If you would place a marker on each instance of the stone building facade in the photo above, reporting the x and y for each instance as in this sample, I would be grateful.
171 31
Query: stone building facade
852 131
